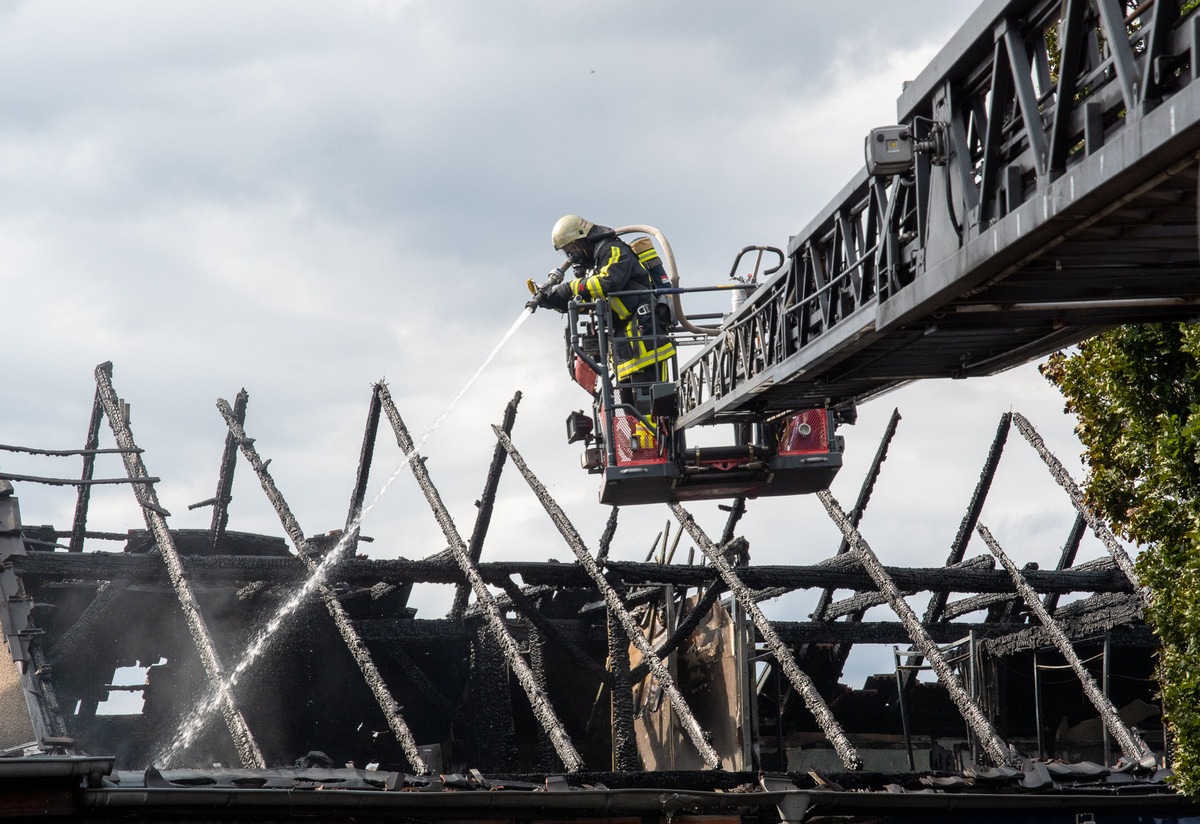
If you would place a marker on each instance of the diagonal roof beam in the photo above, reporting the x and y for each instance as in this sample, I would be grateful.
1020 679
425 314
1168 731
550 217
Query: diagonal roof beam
485 504
783 655
539 702
997 750
345 627
1064 479
1131 744
634 632
156 521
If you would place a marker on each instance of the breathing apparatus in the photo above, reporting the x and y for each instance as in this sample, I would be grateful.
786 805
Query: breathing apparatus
665 276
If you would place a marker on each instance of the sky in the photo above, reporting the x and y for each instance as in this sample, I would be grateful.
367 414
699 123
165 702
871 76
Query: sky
303 198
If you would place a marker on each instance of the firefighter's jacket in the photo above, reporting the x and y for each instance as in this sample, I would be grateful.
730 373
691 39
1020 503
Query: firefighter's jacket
617 274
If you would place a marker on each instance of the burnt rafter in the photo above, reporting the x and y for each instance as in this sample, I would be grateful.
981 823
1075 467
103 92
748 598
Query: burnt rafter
362 657
1098 527
825 599
539 701
784 658
486 504
284 569
117 414
224 496
1131 743
658 669
1001 753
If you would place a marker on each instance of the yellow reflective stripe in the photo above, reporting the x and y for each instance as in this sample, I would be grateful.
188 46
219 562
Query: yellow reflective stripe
613 257
662 353
622 311
649 254
644 434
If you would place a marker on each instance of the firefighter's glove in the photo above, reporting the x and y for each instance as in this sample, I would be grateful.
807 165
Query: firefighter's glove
557 298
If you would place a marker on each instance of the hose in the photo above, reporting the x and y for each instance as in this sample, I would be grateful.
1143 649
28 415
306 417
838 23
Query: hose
673 273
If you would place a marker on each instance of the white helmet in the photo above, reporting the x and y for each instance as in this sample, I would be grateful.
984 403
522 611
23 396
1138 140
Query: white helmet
569 229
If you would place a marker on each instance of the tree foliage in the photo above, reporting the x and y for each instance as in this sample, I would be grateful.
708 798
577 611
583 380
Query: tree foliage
1136 393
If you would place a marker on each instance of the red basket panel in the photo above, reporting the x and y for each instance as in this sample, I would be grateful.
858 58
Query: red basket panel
585 376
805 434
635 443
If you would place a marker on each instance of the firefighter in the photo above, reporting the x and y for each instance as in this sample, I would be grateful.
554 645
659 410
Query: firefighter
607 266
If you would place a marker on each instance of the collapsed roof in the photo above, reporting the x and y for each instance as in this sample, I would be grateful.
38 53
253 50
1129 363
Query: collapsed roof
597 676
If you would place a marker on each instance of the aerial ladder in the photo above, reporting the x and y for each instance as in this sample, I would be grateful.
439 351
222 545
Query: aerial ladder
1038 187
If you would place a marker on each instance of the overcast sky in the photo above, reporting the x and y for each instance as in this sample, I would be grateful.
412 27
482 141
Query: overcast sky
301 198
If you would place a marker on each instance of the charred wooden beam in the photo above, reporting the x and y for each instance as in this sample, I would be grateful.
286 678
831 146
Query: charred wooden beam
1093 617
860 507
442 631
610 529
1066 559
107 595
37 479
1131 743
285 569
854 607
221 501
736 510
839 576
65 453
659 670
527 608
1120 615
966 527
783 655
965 606
363 474
156 522
884 632
624 736
417 677
79 521
485 505
1099 528
996 749
341 620
539 702
1115 612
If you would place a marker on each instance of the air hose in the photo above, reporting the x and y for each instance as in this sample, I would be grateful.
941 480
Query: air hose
668 258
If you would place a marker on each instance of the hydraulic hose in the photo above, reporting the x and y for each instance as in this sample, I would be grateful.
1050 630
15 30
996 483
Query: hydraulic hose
673 273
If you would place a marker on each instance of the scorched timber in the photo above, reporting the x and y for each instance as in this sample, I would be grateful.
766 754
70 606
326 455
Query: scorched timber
106 566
